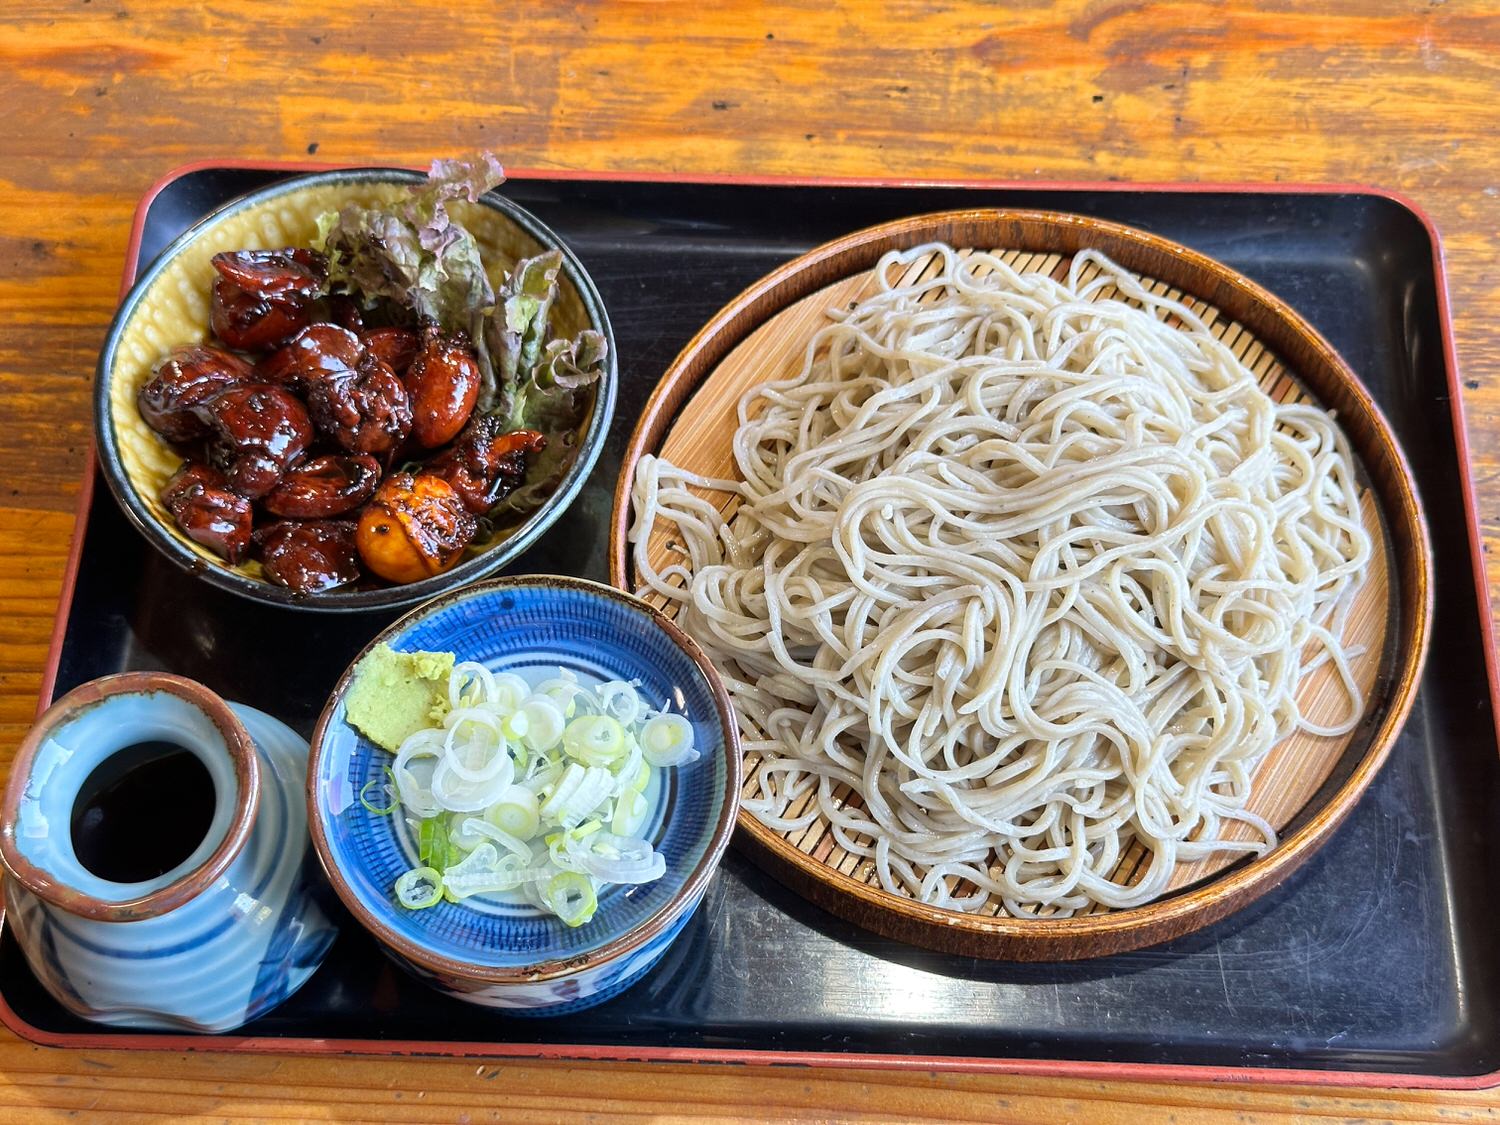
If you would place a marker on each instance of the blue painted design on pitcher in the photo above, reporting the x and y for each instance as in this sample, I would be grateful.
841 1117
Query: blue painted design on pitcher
221 938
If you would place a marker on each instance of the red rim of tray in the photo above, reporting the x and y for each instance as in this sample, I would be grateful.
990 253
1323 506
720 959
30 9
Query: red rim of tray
1062 1068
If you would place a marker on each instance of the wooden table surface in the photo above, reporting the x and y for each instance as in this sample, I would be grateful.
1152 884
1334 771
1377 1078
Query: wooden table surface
100 97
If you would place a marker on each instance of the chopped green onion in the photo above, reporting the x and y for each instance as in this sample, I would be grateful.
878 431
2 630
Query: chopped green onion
539 790
483 829
571 897
456 793
562 792
390 792
620 701
516 812
595 740
515 726
561 691
482 871
433 847
470 683
461 837
416 792
545 722
511 691
667 740
578 795
630 813
642 778
419 888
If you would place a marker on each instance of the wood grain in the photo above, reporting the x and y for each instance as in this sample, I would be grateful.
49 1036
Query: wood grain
100 97
699 439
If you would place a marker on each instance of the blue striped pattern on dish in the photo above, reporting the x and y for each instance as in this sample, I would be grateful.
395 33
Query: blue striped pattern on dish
532 630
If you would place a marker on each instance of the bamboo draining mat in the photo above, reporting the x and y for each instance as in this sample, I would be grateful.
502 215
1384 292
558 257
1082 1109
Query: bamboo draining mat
701 441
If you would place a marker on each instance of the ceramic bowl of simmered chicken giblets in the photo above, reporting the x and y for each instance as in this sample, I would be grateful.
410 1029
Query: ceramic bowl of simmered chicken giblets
356 389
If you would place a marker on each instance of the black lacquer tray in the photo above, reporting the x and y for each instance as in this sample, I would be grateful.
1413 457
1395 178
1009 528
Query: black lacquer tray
1378 962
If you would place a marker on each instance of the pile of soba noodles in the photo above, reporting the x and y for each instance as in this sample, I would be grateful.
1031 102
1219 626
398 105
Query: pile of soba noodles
1032 567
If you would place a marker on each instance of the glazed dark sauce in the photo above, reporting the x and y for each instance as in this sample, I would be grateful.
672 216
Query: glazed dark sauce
142 812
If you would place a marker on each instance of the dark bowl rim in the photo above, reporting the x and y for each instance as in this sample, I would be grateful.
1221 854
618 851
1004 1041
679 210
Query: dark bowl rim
386 597
661 921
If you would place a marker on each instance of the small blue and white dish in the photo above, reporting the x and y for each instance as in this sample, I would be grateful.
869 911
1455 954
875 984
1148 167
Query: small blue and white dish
154 840
497 950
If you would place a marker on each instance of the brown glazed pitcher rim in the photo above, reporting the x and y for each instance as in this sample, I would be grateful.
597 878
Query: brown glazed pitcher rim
242 754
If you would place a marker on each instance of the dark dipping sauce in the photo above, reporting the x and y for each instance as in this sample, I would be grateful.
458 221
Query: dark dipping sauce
142 812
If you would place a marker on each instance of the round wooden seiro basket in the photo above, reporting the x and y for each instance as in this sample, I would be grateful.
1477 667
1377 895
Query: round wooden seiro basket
1304 787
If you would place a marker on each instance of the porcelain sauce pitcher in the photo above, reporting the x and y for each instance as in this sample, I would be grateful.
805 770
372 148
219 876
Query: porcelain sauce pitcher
217 939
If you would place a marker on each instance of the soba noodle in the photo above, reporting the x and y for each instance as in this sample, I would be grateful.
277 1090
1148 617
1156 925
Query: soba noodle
1031 567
